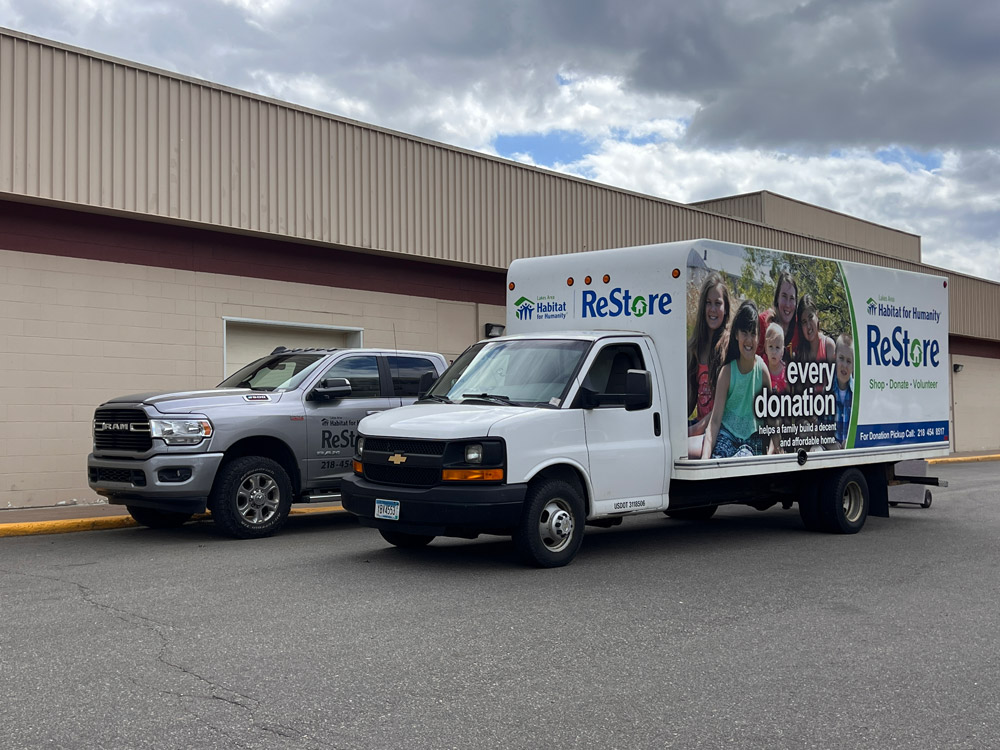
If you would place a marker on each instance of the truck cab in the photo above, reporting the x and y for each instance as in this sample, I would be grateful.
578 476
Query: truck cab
568 422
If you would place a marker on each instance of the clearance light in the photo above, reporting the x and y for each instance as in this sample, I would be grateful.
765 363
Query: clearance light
358 468
569 281
607 278
587 280
511 286
676 273
472 475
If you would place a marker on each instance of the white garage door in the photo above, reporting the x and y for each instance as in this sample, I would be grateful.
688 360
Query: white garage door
976 415
247 341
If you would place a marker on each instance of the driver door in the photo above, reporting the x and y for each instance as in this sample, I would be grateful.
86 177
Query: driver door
627 450
332 424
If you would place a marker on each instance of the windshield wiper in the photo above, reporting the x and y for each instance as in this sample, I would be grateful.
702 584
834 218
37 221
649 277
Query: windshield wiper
435 397
492 397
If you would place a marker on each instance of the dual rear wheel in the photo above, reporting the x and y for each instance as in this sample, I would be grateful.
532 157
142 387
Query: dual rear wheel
839 505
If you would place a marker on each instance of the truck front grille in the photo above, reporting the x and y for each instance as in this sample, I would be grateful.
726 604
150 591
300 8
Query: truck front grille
135 477
414 476
416 447
122 430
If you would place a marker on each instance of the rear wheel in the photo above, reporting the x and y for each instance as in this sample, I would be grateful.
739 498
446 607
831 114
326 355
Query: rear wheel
157 519
551 528
927 499
844 502
251 497
406 541
693 514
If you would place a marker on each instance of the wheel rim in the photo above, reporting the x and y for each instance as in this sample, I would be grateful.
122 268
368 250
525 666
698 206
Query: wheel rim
555 525
257 498
853 502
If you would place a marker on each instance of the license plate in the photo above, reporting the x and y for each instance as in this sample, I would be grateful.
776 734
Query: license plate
387 509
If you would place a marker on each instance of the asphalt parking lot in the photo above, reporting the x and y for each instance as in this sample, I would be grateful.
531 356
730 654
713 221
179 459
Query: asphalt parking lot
745 631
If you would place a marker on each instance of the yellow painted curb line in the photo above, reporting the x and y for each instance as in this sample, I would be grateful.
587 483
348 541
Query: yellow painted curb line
64 527
962 459
114 522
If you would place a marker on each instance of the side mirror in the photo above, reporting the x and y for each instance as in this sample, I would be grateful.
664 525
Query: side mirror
333 388
638 390
427 379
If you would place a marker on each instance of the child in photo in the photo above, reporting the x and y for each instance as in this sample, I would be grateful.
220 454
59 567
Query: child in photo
733 429
774 351
843 389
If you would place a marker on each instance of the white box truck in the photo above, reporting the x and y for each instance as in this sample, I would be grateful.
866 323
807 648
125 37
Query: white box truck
668 378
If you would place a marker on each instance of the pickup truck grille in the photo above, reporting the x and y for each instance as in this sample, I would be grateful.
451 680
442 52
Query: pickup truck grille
393 445
122 430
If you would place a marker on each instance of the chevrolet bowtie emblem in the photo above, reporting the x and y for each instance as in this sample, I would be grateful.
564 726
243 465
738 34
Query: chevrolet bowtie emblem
397 458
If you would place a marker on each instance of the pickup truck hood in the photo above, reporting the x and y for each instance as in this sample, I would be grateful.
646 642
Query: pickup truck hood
441 421
188 402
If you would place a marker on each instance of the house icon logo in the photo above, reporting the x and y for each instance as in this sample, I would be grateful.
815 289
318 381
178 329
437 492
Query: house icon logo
523 309
872 306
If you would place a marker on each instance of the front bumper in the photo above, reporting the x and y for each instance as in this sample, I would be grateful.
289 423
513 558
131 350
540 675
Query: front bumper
462 510
146 484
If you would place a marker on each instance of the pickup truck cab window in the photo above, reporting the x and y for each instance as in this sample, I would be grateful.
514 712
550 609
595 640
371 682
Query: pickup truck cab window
406 373
362 372
274 373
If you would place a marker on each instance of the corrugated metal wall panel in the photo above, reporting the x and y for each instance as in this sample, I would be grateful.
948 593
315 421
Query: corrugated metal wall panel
109 135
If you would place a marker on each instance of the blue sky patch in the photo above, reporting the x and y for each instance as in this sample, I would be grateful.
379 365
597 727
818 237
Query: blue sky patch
555 147
910 159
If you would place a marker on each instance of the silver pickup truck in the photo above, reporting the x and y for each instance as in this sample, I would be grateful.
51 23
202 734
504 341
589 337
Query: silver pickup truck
281 430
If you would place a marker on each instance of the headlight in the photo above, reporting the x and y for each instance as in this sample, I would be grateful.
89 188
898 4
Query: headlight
474 454
361 445
181 431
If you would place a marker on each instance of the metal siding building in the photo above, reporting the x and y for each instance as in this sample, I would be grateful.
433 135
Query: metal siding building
149 222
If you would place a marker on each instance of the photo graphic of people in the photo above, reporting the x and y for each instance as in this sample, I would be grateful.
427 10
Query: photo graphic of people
770 353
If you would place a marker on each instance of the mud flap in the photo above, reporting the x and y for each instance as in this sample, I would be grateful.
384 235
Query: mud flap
878 490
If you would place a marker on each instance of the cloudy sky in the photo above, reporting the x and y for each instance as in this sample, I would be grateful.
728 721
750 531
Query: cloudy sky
888 110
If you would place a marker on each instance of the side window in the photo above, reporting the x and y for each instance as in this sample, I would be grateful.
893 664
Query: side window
406 372
607 373
362 372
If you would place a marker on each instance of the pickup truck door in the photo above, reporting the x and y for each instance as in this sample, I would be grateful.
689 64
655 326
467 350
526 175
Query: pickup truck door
627 449
332 424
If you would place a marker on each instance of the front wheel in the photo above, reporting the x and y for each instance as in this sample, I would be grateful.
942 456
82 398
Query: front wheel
551 528
844 502
251 497
157 519
406 541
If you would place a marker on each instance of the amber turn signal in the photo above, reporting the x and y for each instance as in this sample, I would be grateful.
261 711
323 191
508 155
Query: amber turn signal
358 469
472 475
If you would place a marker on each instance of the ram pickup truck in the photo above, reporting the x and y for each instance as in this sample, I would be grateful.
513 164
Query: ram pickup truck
281 430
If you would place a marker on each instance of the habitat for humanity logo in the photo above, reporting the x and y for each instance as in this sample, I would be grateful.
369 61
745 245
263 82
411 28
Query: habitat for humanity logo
523 309
872 306
545 307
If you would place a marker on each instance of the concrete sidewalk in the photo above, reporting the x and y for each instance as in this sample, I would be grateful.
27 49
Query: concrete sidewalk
62 519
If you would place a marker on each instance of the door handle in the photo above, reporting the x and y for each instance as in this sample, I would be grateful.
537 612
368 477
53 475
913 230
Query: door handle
375 411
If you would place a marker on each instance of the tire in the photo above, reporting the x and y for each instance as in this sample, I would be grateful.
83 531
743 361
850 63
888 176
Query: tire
927 499
551 528
251 497
692 514
406 541
843 502
157 519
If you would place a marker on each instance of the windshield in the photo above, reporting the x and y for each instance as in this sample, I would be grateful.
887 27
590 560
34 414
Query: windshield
533 372
279 372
